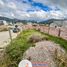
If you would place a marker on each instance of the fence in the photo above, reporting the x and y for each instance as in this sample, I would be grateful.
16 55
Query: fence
60 32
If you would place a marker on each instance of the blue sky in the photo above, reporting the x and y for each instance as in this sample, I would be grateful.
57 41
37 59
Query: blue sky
33 9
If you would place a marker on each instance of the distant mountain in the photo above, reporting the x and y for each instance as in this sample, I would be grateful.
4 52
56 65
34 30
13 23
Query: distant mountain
11 20
48 21
14 20
5 18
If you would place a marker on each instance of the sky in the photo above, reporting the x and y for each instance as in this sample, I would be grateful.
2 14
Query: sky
33 9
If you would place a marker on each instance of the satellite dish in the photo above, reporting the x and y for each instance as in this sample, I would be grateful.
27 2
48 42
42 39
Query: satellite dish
25 63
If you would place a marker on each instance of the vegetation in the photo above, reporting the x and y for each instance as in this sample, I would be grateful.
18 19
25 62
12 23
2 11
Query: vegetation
14 51
35 38
3 28
58 40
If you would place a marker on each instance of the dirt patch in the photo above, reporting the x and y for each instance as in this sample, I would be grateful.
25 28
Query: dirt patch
47 51
36 38
3 28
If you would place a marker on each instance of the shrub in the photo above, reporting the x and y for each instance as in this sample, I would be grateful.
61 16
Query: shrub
35 38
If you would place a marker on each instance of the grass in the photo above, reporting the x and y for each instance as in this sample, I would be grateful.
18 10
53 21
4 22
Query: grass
58 40
14 52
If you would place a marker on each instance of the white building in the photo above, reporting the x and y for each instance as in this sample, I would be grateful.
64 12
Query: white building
3 22
59 23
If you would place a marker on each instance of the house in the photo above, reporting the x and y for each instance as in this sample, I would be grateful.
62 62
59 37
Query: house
3 22
59 23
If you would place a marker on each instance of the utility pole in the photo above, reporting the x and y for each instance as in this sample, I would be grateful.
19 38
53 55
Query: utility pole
10 36
48 28
59 32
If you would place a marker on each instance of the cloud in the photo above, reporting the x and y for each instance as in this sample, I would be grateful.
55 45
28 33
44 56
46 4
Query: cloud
12 14
11 5
54 3
48 15
33 9
56 14
0 14
1 3
39 14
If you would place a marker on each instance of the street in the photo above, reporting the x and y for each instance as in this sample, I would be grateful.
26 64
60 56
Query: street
5 38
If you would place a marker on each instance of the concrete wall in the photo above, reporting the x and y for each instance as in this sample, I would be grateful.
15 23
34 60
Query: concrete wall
55 31
52 30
